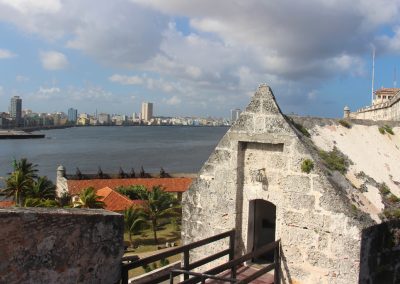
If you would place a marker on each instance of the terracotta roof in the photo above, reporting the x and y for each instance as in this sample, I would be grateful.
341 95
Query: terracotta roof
7 203
169 184
115 201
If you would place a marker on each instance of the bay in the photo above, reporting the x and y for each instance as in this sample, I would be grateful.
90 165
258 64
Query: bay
176 149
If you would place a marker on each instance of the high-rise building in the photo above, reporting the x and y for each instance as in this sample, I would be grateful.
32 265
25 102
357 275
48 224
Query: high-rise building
147 111
16 110
72 114
235 113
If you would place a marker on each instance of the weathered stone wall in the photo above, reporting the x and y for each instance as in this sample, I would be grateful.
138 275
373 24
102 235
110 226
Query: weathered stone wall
386 111
40 245
320 236
380 258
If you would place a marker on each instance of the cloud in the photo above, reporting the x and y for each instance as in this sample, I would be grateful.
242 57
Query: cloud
6 54
21 78
53 60
172 101
126 80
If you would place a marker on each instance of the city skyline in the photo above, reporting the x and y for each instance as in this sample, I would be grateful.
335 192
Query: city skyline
201 60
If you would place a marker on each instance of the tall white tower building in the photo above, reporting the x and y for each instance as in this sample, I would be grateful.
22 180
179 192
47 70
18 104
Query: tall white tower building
147 111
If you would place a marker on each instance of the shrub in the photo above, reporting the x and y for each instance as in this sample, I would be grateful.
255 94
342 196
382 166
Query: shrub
133 192
392 213
384 189
147 268
301 128
155 266
393 198
164 262
388 129
344 123
307 166
381 130
334 160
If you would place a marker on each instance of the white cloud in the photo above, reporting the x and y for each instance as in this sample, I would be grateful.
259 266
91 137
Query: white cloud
172 101
53 60
5 54
28 6
21 78
126 80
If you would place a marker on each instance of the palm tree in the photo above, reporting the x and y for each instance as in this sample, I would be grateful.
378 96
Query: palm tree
89 199
28 169
42 188
16 186
158 204
133 220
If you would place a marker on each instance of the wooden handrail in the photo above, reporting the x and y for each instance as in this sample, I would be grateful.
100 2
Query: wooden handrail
185 249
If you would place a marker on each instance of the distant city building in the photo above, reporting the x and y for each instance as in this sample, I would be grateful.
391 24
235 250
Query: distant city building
16 110
235 113
147 111
104 118
72 114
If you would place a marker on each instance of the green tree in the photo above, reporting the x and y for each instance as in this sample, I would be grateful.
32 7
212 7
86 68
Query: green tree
158 204
27 169
16 186
42 188
133 220
89 199
133 192
37 202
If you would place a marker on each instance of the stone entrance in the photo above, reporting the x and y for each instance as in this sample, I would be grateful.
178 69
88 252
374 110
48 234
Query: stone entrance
261 228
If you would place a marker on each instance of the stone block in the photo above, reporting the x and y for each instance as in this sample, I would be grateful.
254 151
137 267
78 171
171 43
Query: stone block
296 183
277 125
244 123
269 107
299 201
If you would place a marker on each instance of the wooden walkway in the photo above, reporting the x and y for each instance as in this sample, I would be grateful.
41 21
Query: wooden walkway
246 271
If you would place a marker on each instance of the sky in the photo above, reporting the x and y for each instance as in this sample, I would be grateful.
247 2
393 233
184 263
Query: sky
198 57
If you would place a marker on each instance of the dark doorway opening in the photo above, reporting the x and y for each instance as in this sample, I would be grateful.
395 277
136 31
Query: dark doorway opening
261 229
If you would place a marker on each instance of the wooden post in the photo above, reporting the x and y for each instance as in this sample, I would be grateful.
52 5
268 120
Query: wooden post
277 261
232 252
124 275
186 263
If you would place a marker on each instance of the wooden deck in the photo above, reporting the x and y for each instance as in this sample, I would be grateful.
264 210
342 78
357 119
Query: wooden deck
246 271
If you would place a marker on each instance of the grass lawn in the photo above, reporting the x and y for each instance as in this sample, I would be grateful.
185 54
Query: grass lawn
146 246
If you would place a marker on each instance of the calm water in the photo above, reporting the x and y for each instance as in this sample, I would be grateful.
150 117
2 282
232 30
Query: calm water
176 149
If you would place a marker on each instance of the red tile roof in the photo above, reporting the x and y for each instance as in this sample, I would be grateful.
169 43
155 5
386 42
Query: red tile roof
168 184
115 201
7 203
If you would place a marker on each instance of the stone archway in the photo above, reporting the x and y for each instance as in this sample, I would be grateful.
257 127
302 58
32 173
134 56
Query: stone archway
261 227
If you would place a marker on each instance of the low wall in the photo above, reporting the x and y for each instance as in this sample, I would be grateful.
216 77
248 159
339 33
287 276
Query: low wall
386 111
40 245
380 254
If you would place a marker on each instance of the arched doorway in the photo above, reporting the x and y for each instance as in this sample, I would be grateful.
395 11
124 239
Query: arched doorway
261 228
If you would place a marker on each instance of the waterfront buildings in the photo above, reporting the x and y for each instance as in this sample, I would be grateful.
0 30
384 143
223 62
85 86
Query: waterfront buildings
104 118
147 111
72 114
235 113
16 110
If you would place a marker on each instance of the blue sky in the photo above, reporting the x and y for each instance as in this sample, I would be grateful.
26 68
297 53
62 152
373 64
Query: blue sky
195 57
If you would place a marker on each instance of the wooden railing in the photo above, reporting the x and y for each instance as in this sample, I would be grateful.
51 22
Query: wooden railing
232 265
185 249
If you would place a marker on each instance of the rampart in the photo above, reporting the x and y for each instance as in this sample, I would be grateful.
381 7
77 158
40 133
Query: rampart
39 245
389 110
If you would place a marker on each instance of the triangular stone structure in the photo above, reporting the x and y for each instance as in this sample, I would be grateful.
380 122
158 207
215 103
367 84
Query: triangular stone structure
257 164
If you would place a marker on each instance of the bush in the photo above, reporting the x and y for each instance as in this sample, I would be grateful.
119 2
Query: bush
334 160
155 266
392 213
301 128
344 123
307 166
147 268
388 129
384 189
393 198
381 130
164 262
133 192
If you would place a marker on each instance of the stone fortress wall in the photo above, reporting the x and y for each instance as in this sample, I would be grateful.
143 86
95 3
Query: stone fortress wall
39 245
320 235
389 110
